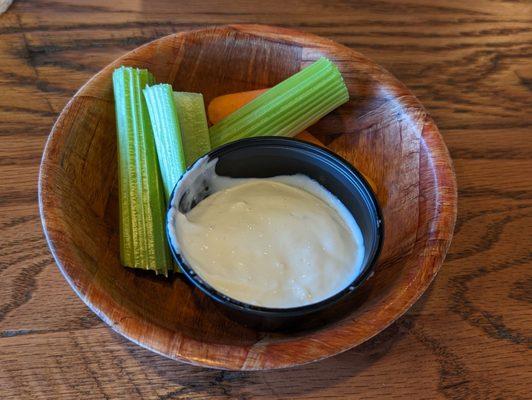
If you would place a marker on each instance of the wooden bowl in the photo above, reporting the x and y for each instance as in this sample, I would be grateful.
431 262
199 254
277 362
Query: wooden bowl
383 130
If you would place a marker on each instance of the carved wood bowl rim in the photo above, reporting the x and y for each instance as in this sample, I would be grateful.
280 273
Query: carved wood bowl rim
108 310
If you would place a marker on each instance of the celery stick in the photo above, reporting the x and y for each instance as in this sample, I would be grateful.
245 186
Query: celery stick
193 123
164 119
180 129
288 108
141 194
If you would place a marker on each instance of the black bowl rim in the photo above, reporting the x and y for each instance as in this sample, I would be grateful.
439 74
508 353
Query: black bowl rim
223 299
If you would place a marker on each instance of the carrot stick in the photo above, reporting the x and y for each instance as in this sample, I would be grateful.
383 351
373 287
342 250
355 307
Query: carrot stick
221 106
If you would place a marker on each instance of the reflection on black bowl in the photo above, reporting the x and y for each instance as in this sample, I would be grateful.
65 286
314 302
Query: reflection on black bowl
270 156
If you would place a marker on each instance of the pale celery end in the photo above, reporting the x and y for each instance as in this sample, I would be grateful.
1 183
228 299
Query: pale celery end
193 123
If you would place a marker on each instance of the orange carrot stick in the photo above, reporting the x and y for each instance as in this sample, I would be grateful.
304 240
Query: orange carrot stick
221 106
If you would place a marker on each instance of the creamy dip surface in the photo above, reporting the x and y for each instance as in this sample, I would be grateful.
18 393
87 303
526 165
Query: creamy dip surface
276 242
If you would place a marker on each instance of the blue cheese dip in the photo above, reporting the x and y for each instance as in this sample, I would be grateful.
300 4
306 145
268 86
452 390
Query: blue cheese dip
277 242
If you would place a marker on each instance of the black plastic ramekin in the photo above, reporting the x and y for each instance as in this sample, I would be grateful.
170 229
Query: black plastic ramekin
264 157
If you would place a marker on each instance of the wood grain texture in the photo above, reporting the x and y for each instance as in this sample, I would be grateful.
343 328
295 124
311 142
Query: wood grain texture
468 337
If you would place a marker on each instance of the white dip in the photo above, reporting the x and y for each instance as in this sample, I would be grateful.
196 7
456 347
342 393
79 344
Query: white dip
277 242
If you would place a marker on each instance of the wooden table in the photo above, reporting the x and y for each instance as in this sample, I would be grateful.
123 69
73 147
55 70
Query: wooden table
469 62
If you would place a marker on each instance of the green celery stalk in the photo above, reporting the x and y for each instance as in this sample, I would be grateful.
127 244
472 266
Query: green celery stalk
141 195
288 108
193 123
180 129
164 119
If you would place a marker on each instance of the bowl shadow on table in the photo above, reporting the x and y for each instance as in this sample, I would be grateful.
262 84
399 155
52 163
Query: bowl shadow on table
185 379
